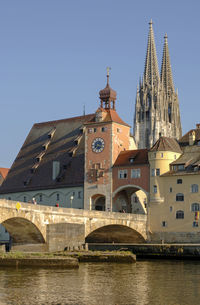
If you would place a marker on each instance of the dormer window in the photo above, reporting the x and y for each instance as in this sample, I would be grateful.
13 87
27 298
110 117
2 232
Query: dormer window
181 167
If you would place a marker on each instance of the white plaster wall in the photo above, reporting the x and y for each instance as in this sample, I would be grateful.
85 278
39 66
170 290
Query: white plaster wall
49 197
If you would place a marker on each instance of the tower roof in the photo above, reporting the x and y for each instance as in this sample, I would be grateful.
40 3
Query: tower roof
166 144
107 95
151 71
166 71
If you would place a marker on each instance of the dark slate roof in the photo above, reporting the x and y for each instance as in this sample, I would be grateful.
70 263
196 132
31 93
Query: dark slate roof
132 157
166 144
62 141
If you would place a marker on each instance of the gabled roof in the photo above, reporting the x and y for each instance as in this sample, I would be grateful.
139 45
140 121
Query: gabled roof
132 157
184 141
61 140
111 116
166 144
4 172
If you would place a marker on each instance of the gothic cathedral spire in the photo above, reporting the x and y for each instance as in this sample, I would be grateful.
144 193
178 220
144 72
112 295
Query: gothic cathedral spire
157 107
151 72
166 70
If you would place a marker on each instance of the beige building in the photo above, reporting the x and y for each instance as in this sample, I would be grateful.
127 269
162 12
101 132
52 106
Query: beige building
174 189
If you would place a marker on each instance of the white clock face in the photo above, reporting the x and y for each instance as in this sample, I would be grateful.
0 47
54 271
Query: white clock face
98 145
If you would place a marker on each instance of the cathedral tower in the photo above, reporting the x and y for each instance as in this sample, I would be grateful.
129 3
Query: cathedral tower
157 106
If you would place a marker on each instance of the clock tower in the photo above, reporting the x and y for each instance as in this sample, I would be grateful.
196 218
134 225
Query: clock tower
106 135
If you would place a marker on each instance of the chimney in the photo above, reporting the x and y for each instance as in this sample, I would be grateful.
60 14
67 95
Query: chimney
192 137
55 169
197 126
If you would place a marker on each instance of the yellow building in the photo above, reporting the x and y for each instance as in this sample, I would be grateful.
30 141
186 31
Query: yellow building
174 204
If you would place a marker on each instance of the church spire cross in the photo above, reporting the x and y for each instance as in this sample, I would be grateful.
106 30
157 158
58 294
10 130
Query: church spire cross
151 71
166 71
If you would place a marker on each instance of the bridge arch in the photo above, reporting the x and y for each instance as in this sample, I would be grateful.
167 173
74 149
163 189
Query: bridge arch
117 233
23 231
130 198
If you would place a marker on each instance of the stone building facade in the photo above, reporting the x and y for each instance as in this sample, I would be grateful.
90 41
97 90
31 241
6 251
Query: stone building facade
157 105
174 204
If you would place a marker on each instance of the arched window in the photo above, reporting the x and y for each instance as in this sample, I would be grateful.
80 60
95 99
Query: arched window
179 181
179 214
194 188
179 197
195 207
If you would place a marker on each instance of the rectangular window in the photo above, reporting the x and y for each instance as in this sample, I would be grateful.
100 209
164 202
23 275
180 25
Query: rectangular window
122 174
161 155
90 130
57 196
170 189
79 194
157 172
104 129
164 223
135 173
194 188
195 224
155 189
171 209
24 198
40 198
179 181
119 130
181 167
73 194
95 130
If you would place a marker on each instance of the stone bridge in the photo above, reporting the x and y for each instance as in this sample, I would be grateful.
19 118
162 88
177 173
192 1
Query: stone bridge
53 228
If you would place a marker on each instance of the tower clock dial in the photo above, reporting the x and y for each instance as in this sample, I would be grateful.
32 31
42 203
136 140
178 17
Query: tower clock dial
98 145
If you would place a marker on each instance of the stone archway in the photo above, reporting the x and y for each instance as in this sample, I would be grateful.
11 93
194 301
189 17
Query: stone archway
98 202
130 199
116 234
23 231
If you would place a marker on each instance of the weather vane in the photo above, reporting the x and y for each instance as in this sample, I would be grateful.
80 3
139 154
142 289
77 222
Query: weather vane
108 71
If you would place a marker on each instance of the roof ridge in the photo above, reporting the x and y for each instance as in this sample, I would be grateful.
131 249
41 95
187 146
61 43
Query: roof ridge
64 120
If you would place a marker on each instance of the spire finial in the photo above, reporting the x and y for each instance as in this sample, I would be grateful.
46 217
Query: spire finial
108 74
165 37
150 23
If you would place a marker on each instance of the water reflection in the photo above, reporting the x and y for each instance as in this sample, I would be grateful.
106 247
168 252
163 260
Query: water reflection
143 283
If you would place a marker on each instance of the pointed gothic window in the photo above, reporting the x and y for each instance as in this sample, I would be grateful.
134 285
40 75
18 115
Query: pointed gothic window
170 113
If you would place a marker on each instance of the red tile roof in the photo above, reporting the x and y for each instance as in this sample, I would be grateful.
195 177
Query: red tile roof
166 144
139 156
112 116
4 172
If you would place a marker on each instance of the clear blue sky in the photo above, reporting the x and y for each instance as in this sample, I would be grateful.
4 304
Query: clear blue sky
54 54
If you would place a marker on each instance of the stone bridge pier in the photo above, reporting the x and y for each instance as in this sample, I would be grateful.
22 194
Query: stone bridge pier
46 228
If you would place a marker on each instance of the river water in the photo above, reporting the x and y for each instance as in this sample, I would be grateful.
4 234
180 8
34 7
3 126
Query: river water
152 282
